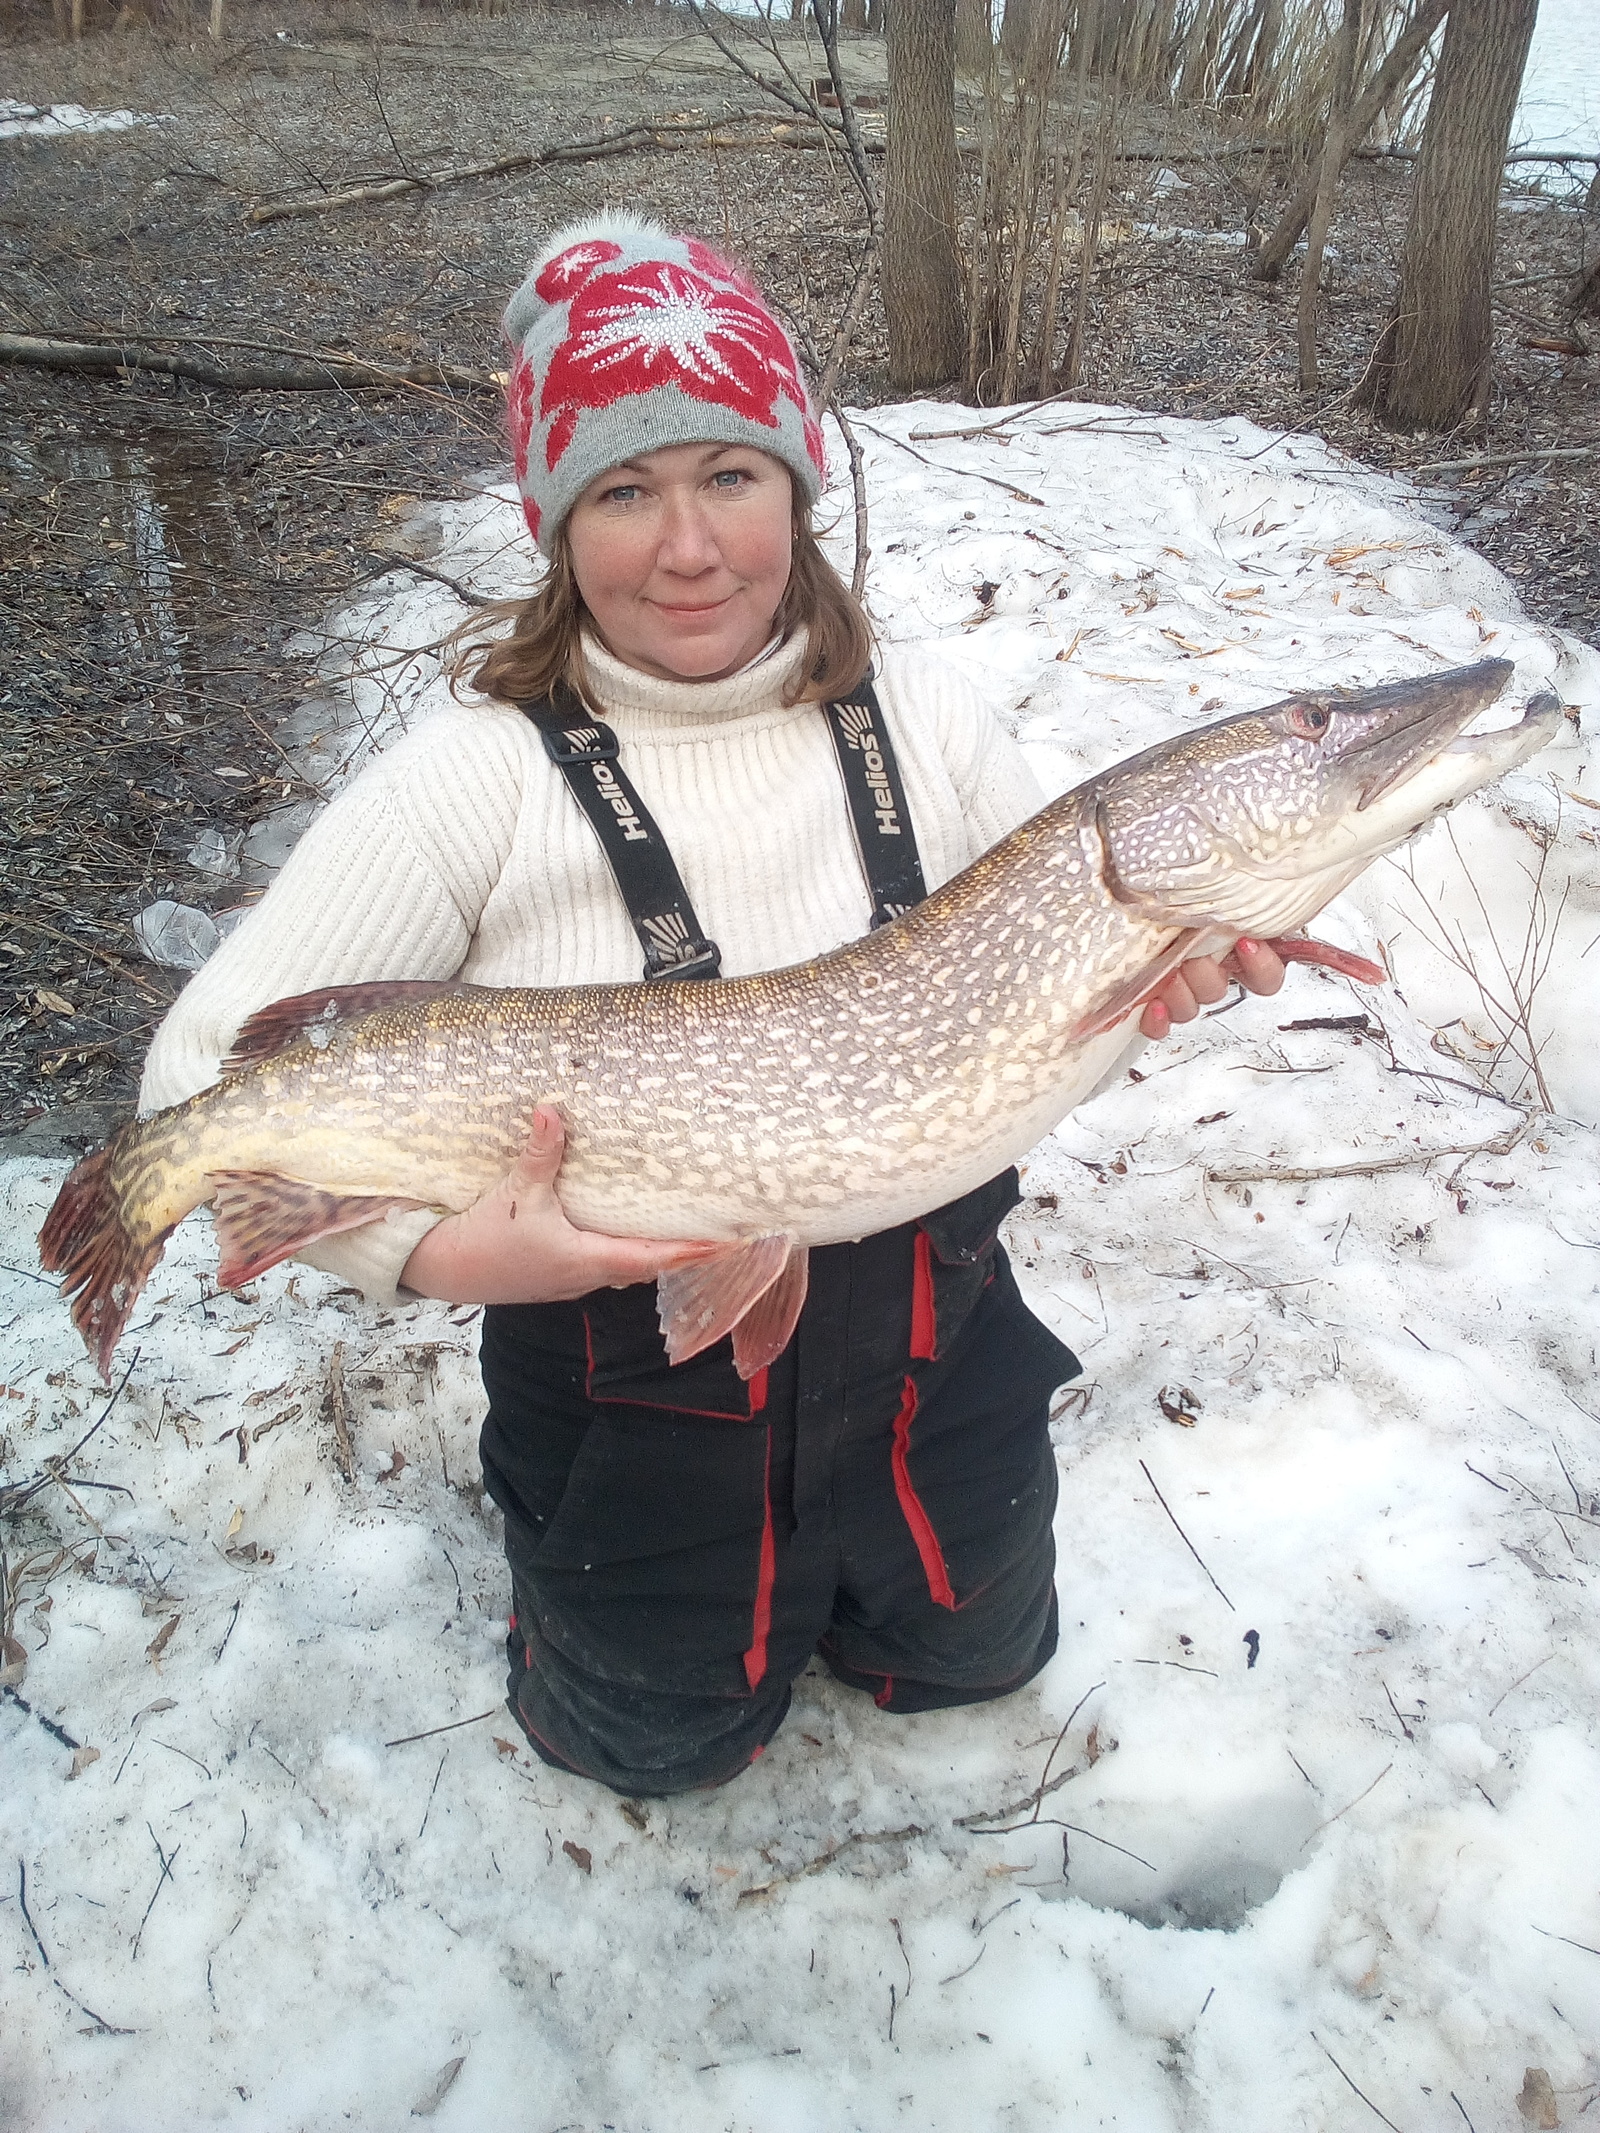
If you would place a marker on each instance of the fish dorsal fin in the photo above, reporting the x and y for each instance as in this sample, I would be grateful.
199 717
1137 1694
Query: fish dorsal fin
766 1328
262 1217
273 1029
701 1302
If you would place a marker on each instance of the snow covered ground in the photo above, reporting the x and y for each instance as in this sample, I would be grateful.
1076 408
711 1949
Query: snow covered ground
50 119
1327 1851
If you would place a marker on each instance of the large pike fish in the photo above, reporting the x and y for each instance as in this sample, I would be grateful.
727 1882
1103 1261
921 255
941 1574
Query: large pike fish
808 1105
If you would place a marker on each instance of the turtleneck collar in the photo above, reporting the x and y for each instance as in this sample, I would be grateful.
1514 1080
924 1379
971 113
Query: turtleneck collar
757 688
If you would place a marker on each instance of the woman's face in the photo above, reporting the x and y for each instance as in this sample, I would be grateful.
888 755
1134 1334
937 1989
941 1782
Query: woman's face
682 556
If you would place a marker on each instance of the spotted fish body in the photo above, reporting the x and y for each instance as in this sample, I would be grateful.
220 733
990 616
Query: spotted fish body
808 1105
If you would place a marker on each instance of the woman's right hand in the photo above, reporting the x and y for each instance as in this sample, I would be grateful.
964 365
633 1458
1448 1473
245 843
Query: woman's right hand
515 1245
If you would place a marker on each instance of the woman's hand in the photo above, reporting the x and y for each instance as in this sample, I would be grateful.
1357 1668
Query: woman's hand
1203 980
515 1245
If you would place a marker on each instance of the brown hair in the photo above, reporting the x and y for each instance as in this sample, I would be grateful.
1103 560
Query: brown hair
544 644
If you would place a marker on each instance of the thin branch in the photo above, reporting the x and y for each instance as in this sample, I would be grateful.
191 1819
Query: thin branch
1189 1544
406 1739
1343 2076
105 2028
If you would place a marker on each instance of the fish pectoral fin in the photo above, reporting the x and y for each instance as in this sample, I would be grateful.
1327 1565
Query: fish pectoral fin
1121 1003
262 1217
698 1304
767 1327
1299 948
272 1029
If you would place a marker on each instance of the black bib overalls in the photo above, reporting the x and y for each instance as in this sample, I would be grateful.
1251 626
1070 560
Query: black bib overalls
680 1542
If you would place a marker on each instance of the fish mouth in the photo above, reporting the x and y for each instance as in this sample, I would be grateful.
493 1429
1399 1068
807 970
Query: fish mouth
1414 722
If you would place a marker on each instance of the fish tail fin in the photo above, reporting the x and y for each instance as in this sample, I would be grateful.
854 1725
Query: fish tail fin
102 1262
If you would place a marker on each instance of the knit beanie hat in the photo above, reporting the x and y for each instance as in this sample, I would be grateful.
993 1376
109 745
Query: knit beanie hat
624 339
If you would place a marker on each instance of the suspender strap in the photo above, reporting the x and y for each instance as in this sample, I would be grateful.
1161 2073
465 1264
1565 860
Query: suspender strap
878 812
585 752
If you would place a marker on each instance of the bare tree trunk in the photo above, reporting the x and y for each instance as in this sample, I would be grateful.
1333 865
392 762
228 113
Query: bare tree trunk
1435 372
875 18
1401 64
216 18
853 15
1333 157
974 37
1016 27
921 269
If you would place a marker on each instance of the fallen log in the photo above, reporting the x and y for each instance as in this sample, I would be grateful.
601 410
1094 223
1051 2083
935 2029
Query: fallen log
624 140
286 373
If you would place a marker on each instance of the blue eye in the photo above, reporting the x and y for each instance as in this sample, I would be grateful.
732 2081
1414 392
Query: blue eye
623 493
730 477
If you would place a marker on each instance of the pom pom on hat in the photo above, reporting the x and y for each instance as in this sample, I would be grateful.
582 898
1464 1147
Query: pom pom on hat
624 339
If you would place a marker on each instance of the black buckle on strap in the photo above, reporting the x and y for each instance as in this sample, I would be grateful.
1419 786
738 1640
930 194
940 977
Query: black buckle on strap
588 743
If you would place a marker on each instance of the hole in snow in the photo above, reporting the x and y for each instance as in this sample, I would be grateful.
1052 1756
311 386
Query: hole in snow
1210 1863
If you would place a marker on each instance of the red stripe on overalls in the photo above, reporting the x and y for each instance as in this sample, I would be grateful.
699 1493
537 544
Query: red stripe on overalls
927 1541
924 1317
755 1659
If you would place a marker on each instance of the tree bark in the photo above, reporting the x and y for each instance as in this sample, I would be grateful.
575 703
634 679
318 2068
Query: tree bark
875 18
921 268
974 37
1397 69
1435 370
1333 159
853 15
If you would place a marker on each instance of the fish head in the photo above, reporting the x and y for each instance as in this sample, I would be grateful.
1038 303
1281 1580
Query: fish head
1253 823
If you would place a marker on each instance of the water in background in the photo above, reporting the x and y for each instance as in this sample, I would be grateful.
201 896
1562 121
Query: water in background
1560 105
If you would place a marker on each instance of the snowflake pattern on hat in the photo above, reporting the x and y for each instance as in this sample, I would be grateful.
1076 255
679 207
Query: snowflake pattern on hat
661 324
618 336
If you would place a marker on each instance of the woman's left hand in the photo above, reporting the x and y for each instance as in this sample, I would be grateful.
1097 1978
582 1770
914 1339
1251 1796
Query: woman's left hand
1203 981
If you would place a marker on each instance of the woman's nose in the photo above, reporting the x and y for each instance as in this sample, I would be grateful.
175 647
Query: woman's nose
688 545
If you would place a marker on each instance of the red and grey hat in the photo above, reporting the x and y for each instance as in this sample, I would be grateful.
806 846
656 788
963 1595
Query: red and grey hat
625 338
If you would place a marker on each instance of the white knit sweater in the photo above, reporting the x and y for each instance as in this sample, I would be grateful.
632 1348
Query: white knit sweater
462 852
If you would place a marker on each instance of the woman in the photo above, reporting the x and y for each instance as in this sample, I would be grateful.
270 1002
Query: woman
681 1538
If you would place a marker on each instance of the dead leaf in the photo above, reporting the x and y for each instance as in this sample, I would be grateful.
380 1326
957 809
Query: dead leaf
1091 1745
236 1521
162 1703
1537 2102
248 1552
396 1466
636 1814
162 1638
56 1004
13 1664
1178 1404
438 2089
503 1747
81 1759
577 1854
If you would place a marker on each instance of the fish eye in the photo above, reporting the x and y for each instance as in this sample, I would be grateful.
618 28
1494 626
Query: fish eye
1309 721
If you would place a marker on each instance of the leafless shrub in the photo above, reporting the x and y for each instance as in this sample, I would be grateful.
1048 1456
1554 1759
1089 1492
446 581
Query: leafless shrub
1509 978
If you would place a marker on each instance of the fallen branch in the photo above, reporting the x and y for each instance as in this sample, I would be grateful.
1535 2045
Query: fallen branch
834 1851
1506 459
336 1406
323 373
625 140
1501 1145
